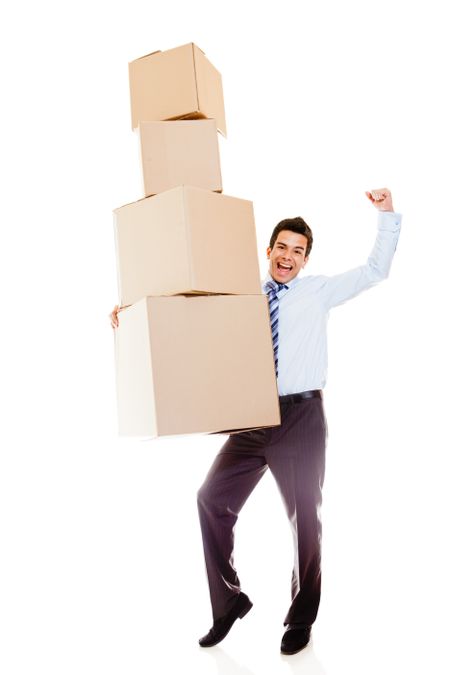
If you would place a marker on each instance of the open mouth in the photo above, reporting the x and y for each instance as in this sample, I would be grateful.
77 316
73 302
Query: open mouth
284 268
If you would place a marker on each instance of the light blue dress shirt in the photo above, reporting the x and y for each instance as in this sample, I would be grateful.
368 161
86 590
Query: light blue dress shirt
305 304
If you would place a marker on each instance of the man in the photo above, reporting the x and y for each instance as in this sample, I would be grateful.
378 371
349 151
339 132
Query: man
295 450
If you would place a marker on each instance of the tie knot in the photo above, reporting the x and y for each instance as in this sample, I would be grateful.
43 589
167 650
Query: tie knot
273 286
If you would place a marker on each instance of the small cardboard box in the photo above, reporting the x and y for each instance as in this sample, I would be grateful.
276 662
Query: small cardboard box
197 364
177 83
183 152
186 240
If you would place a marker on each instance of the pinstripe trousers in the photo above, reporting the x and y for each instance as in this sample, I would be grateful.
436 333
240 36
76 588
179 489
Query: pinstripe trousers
295 454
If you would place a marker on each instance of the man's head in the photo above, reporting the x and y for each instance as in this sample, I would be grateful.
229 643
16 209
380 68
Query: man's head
289 248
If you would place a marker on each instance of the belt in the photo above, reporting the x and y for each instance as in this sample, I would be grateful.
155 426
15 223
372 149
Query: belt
295 398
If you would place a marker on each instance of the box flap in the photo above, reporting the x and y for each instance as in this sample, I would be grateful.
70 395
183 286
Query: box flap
158 51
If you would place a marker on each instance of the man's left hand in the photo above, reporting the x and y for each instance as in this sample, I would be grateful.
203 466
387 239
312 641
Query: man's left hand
381 199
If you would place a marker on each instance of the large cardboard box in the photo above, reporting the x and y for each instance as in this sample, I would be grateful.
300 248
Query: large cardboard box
183 152
186 240
177 83
195 364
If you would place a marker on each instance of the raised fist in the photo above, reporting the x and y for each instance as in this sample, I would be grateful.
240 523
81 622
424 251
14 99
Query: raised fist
381 199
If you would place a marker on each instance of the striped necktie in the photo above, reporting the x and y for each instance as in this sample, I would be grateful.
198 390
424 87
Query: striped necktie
271 289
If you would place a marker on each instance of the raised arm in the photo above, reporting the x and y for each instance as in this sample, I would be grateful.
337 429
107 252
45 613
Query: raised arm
342 287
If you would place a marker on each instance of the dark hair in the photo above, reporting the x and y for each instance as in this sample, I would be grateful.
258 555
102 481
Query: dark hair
297 225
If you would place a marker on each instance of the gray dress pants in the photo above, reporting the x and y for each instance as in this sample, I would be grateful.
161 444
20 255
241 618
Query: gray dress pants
295 453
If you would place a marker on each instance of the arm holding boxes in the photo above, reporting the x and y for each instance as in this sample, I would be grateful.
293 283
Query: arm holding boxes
113 316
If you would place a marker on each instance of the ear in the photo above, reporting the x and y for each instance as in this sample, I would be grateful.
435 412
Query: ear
268 252
305 261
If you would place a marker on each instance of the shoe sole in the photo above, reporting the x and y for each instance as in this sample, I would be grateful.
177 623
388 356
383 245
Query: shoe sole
293 651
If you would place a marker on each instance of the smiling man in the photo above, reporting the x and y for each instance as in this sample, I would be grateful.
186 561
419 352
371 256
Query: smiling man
289 249
295 450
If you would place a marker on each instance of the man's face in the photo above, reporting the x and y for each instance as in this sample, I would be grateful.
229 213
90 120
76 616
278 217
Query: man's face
287 257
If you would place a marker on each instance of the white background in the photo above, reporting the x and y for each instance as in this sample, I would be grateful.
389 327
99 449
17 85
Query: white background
101 559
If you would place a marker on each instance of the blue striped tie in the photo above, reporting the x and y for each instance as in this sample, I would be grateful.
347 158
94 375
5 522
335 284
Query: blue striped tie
271 289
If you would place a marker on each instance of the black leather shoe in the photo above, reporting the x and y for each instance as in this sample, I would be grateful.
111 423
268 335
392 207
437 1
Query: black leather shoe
295 638
222 626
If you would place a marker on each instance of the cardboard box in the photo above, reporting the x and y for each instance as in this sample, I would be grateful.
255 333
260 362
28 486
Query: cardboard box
177 83
195 365
186 240
177 153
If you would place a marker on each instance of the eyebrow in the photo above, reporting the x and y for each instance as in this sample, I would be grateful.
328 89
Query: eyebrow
281 243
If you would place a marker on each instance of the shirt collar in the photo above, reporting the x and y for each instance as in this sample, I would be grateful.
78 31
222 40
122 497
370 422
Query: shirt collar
292 282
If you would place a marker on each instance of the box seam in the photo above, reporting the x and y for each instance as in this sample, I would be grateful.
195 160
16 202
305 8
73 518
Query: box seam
150 361
195 77
188 237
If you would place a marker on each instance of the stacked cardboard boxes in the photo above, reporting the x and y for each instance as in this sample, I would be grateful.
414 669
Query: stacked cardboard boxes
193 347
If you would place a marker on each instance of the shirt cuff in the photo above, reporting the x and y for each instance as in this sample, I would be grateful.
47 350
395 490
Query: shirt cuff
389 221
